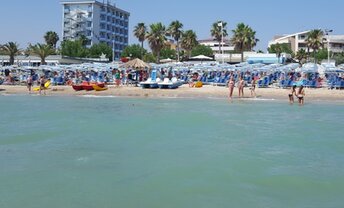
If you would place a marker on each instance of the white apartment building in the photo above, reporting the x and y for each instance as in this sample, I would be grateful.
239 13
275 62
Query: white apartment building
214 45
297 41
99 21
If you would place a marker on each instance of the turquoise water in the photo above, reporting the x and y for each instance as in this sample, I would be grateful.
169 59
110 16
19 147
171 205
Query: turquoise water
80 152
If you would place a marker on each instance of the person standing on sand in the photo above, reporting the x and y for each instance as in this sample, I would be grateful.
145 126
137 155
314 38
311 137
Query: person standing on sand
42 83
300 95
241 85
29 83
117 78
291 94
231 84
253 88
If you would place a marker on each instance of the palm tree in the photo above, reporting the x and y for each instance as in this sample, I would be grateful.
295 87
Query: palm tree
314 40
217 33
41 50
244 38
253 39
156 38
140 33
12 49
175 30
51 38
189 41
301 55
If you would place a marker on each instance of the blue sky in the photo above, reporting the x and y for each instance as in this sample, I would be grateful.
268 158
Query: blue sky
27 21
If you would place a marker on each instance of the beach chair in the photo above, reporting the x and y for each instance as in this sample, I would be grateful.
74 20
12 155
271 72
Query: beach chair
283 83
339 84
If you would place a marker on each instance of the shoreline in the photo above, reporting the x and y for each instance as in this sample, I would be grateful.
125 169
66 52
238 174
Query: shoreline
183 92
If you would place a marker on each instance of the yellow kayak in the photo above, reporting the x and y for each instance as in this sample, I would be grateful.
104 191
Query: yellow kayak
97 88
46 86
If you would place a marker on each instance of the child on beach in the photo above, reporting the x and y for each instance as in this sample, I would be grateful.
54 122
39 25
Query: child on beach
291 94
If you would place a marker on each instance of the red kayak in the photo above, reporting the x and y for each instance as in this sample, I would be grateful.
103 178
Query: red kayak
87 87
77 87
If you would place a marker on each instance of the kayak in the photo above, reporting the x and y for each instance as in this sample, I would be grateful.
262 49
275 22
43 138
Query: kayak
46 86
99 88
77 87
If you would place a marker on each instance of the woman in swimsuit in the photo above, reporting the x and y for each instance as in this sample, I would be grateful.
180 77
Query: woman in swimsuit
291 94
301 95
241 87
231 87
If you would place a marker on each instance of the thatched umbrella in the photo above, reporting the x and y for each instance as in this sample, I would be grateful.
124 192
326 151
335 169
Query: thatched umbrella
136 64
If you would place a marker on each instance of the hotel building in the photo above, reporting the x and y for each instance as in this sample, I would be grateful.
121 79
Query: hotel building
214 45
297 41
100 22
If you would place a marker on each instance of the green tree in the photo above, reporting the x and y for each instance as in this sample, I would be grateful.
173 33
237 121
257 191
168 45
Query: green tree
73 48
98 49
51 38
339 58
168 53
149 58
83 39
278 49
244 39
202 50
189 41
217 30
301 55
133 51
321 55
175 30
314 41
156 38
11 49
140 32
41 50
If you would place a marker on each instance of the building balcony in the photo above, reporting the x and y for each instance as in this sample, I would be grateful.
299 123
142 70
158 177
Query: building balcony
337 49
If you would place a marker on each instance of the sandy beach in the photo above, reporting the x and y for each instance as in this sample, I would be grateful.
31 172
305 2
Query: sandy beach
182 92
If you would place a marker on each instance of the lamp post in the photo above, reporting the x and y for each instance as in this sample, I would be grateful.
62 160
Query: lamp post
222 51
220 24
113 49
328 44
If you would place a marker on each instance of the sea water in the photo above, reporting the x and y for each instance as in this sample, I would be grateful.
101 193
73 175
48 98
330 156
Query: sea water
79 152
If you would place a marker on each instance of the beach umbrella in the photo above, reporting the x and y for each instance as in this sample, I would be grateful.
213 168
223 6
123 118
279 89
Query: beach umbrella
168 60
201 57
136 64
309 68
